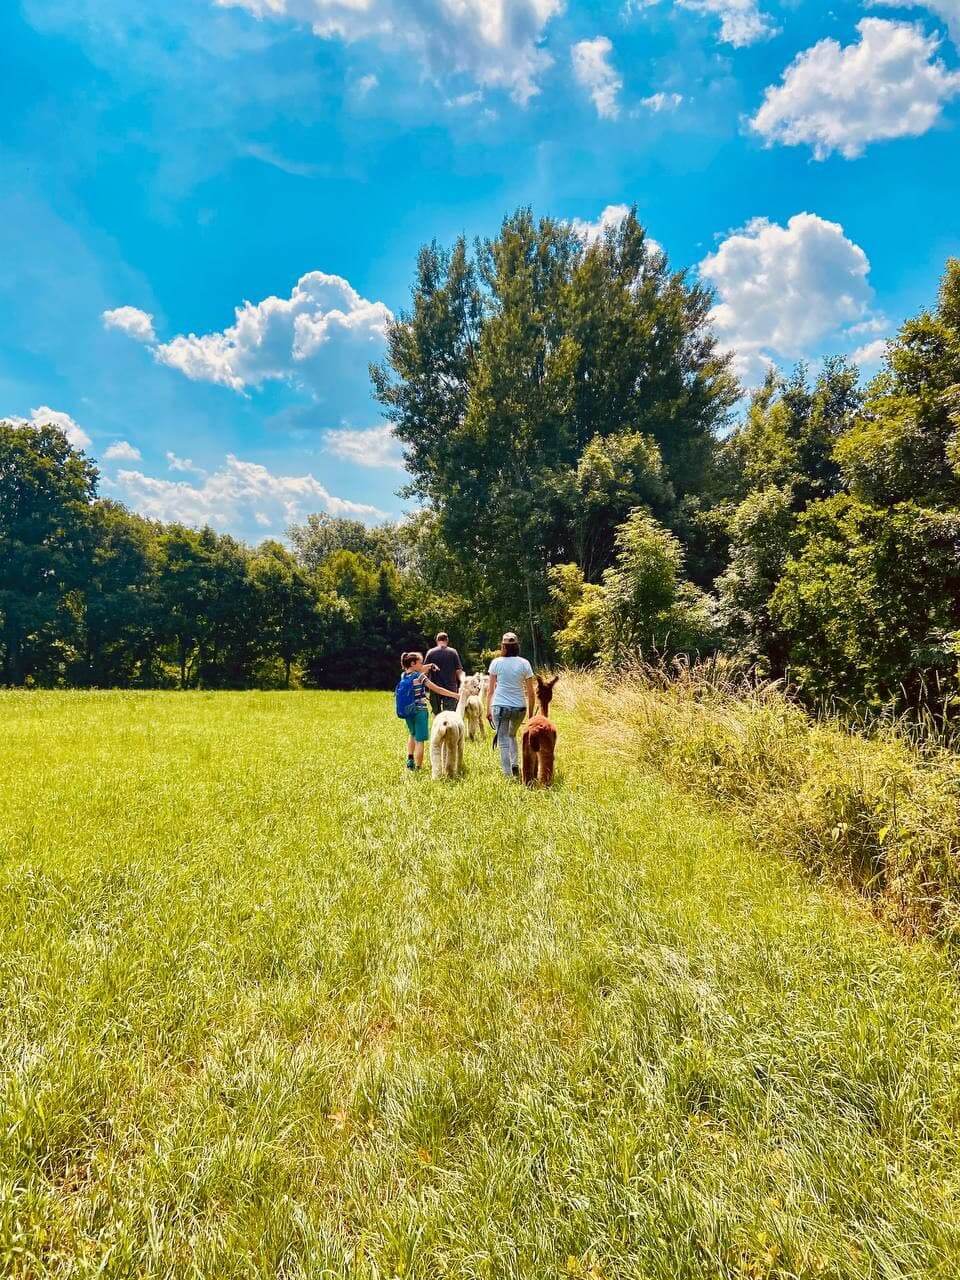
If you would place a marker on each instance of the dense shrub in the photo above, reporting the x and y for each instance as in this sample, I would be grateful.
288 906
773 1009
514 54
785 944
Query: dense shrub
875 810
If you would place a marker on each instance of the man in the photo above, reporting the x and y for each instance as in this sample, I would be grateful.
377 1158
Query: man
447 673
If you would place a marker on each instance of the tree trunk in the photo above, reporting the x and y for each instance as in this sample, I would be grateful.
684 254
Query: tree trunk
532 623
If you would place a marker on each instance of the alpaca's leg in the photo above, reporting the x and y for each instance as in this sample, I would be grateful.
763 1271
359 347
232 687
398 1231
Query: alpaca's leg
436 758
546 763
528 771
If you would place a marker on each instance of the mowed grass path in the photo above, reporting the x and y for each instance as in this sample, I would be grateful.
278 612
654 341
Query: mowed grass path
273 1007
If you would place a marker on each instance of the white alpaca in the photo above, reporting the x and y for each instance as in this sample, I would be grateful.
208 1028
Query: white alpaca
446 739
473 712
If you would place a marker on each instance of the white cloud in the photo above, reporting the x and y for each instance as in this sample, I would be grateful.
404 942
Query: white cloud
44 416
609 219
472 99
840 98
323 337
138 324
122 451
496 42
782 289
741 21
948 10
872 353
658 102
182 464
366 84
370 447
235 494
593 72
876 323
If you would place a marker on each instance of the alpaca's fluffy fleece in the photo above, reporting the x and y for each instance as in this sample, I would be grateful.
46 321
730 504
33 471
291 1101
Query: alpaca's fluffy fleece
473 711
446 740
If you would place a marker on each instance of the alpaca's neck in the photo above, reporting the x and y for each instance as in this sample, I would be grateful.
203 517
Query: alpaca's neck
465 691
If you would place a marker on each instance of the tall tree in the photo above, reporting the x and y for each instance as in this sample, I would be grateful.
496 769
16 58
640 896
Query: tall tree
511 363
46 488
119 614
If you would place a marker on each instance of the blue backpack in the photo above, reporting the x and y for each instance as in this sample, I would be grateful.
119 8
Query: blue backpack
405 694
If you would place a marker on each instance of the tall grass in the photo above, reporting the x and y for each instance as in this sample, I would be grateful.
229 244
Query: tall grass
273 1007
878 809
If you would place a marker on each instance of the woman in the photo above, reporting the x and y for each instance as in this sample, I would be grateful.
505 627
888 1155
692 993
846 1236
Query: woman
511 692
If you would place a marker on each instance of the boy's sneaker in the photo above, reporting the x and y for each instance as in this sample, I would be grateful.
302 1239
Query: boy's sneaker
410 764
516 771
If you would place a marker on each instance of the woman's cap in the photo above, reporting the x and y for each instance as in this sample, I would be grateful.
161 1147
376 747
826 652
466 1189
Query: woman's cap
509 637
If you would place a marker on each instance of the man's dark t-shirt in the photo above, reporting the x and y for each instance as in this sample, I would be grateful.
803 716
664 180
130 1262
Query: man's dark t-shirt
448 664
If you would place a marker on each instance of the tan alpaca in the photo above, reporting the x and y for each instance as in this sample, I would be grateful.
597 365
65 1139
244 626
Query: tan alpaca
446 739
473 712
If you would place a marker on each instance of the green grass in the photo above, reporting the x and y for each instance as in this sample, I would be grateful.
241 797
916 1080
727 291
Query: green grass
273 1007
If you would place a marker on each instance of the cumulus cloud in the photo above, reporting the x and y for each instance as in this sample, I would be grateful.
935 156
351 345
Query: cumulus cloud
948 10
741 21
323 337
841 98
182 464
138 324
781 289
872 353
122 451
609 219
235 494
44 416
592 71
495 42
368 447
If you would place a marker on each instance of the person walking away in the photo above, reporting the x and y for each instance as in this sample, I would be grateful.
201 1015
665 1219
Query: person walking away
511 691
448 672
411 700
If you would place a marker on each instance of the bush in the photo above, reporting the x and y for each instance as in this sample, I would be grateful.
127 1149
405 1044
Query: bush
876 811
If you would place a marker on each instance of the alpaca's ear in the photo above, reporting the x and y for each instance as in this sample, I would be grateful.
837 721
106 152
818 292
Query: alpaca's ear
552 682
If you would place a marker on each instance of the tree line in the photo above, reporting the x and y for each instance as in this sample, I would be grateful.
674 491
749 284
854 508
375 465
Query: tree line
585 472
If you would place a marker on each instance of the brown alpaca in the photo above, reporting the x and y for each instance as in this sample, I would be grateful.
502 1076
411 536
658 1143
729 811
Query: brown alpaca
539 739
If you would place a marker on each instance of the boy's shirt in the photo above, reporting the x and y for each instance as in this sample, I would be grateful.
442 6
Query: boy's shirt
420 689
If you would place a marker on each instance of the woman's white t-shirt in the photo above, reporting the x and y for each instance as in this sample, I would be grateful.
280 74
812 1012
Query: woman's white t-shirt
510 673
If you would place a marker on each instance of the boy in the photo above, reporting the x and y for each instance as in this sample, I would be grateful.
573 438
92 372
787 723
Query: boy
418 721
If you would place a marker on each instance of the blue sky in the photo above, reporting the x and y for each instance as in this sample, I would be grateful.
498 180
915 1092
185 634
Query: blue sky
166 165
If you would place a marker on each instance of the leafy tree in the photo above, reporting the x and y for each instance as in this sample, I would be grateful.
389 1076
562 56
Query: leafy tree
580 606
869 603
905 446
760 532
643 605
289 607
511 363
321 535
119 613
647 605
46 489
613 475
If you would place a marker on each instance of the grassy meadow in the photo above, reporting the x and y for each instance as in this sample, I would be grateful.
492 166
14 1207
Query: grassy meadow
272 1006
